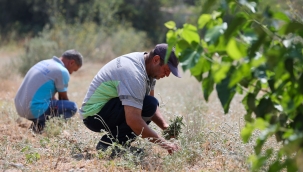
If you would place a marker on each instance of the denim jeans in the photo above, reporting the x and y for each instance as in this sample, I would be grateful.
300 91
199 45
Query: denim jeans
57 108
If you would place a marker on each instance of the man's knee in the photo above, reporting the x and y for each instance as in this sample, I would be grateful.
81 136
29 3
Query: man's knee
70 109
74 108
150 106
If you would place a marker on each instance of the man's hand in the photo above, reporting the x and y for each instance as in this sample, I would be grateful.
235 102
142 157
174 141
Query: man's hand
170 147
138 125
63 96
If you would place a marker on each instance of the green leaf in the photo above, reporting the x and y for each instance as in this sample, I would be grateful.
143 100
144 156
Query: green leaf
170 24
281 16
181 45
190 57
246 132
264 107
214 33
253 50
251 101
203 20
203 65
249 36
171 37
233 50
276 166
291 27
259 144
261 124
208 86
234 26
242 72
225 93
207 6
190 34
250 5
220 71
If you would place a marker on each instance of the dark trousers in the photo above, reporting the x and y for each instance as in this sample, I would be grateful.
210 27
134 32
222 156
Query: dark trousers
111 118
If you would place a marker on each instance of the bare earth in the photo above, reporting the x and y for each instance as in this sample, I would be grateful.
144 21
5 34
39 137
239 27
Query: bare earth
210 140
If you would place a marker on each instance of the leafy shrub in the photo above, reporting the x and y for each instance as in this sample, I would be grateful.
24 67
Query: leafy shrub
257 54
125 40
37 49
95 43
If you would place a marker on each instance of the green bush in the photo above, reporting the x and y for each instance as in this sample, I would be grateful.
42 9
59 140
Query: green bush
95 43
37 49
125 40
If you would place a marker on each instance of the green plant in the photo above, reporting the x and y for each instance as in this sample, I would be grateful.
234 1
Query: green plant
240 49
174 129
30 155
54 127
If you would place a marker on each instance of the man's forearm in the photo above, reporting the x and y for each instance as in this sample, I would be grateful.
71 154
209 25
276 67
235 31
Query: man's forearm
159 120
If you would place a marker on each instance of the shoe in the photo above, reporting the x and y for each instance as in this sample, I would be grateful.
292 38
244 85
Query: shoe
36 128
120 151
102 146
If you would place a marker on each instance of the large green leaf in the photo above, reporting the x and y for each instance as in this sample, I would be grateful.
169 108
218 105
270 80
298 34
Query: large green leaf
291 27
214 33
242 72
190 34
170 24
203 65
246 132
254 48
207 6
225 93
281 16
220 71
234 49
203 20
264 107
171 39
235 25
208 86
190 57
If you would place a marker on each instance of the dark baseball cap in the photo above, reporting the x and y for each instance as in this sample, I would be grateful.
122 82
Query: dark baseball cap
160 49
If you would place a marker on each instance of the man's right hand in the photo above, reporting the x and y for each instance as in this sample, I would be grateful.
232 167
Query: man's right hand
171 147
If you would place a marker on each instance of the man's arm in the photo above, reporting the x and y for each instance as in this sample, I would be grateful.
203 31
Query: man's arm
63 96
139 126
159 120
152 93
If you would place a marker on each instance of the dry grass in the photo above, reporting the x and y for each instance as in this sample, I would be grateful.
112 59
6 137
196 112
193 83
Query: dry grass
210 141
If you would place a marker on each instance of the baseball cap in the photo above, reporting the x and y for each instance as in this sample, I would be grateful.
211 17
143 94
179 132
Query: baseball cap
160 49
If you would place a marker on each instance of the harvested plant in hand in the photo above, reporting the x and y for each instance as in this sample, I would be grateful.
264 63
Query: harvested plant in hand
174 129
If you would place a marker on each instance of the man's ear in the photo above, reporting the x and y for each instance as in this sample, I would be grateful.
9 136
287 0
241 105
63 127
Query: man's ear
72 62
156 59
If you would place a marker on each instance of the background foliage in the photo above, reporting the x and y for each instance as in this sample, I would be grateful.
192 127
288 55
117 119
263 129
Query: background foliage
242 49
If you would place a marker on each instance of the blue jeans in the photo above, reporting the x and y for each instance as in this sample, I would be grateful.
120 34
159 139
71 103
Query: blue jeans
57 108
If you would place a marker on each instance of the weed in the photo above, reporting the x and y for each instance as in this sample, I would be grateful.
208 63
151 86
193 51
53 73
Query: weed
30 155
54 126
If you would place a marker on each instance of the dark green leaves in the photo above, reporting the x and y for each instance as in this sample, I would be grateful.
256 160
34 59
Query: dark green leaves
214 33
225 93
258 54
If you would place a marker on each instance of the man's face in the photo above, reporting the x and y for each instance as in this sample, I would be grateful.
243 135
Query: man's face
158 71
